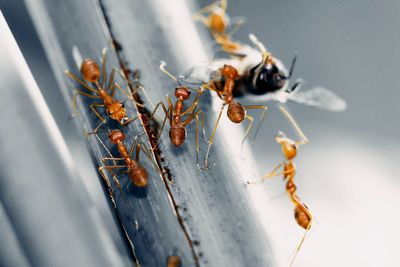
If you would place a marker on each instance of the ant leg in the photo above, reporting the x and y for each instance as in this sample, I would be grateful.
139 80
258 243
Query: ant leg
195 115
109 168
130 96
83 83
195 102
111 80
146 151
103 67
92 106
210 86
137 153
197 133
167 116
262 117
74 96
246 133
267 176
296 126
210 141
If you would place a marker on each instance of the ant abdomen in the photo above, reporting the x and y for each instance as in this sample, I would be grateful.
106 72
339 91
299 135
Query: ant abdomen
236 112
139 176
177 135
302 217
90 70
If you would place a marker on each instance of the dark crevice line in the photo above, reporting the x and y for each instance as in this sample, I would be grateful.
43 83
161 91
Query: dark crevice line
150 130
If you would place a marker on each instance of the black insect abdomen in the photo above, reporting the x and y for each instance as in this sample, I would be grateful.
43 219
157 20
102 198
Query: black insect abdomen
269 79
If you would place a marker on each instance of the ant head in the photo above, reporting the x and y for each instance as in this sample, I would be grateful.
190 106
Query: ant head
302 216
229 71
177 135
183 92
116 136
289 147
90 70
267 78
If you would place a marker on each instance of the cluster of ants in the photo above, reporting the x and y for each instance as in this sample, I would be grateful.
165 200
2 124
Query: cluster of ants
246 70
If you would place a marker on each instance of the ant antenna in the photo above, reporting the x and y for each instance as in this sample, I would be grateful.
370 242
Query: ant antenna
299 246
292 66
162 68
295 125
101 142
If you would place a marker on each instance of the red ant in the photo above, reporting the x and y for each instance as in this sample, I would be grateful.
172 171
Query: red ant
137 174
236 112
90 72
289 149
175 113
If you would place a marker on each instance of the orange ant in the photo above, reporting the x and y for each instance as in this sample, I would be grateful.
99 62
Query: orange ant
236 112
289 149
175 113
90 72
217 22
137 174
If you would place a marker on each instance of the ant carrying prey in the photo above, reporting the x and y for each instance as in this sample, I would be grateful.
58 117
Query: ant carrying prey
91 73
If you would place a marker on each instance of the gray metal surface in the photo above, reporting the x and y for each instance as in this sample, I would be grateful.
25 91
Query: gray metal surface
46 218
210 207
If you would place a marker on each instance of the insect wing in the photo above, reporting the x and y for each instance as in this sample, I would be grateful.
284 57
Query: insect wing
319 97
201 73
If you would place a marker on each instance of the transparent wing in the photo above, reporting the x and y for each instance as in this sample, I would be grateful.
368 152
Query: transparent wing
202 73
319 97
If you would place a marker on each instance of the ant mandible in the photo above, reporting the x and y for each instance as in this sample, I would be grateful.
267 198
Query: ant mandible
90 72
175 113
289 149
236 112
137 174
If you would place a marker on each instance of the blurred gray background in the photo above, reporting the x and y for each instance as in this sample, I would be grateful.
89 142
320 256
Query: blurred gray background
347 174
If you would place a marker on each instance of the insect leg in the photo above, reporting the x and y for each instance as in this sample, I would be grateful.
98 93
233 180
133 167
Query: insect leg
110 169
262 117
93 107
74 96
167 116
295 125
83 83
103 67
267 176
195 102
111 81
210 141
197 133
